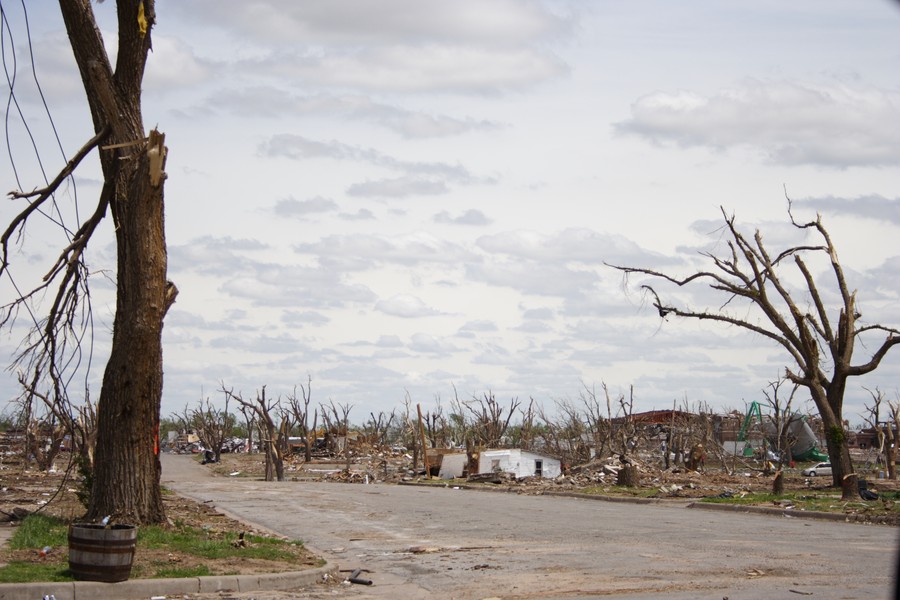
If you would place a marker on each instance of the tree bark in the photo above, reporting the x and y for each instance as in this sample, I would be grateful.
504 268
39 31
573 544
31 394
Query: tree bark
126 467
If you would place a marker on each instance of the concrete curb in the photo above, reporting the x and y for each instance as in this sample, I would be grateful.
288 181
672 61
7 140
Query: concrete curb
148 588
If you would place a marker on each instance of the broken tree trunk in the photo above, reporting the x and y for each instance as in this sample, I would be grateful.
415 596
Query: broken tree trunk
628 476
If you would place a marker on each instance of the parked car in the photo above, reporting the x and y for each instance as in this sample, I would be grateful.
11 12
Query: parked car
823 468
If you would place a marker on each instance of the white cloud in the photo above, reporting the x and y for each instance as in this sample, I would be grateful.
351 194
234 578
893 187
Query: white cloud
470 217
405 306
290 207
790 123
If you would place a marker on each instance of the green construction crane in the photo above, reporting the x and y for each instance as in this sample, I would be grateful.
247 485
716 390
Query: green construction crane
754 408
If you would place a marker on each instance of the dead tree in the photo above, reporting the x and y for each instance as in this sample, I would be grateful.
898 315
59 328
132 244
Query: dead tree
781 420
249 415
410 430
436 425
759 298
883 429
623 429
336 420
489 425
127 469
212 425
524 434
377 428
563 434
272 433
300 411
597 420
892 431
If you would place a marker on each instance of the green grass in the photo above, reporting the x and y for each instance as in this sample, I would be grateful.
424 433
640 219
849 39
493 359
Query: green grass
199 542
37 531
801 500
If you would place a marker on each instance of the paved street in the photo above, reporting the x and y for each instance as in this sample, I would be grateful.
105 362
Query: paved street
446 543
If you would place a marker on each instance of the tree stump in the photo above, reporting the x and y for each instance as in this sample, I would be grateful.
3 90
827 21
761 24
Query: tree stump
778 483
628 476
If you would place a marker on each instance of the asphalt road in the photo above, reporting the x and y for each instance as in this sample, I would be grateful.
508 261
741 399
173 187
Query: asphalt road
446 543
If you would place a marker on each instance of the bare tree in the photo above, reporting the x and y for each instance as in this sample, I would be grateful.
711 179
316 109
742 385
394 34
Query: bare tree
563 433
272 428
212 425
820 344
126 469
883 429
597 420
781 420
336 420
377 427
489 424
300 413
892 430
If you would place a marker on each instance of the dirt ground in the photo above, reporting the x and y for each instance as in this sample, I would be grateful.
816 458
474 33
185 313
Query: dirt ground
24 490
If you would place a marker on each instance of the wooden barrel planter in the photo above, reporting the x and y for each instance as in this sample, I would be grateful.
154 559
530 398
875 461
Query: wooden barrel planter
101 552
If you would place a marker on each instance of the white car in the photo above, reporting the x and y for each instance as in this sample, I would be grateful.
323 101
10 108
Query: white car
823 468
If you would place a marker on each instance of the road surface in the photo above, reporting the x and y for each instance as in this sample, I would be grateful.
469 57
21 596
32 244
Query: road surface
447 543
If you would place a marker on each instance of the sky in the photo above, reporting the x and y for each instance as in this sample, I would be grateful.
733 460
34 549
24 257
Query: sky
419 199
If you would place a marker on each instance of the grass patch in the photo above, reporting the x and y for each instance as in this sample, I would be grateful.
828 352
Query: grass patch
38 531
800 500
33 534
186 548
204 544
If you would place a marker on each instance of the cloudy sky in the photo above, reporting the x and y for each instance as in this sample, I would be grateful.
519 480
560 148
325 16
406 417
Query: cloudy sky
407 196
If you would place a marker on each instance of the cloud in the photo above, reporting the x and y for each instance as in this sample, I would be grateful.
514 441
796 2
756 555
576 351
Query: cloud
405 306
470 217
363 214
358 252
542 279
873 207
432 345
420 69
399 45
418 178
399 187
173 65
573 244
289 207
788 123
499 22
274 102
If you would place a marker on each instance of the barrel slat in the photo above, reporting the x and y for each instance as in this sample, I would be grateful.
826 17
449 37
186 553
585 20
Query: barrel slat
98 553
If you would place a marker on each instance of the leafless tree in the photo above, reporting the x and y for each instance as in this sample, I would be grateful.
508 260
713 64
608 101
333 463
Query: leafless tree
523 435
883 428
336 420
820 343
597 419
126 469
563 433
435 425
378 427
781 420
410 430
489 425
271 422
300 412
212 425
892 431
250 422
